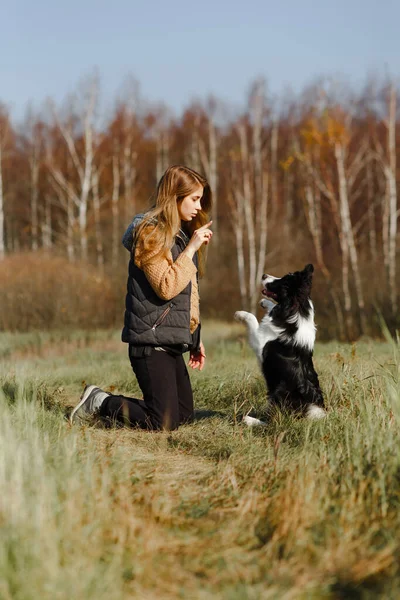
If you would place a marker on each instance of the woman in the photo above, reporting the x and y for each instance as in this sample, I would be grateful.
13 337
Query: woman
162 306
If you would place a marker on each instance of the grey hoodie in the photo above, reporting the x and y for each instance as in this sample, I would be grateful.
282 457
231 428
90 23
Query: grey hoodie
129 236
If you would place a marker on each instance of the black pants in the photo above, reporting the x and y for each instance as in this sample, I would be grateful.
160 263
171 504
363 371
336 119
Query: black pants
167 394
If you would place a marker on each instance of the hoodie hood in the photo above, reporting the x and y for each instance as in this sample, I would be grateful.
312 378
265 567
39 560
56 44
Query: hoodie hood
129 235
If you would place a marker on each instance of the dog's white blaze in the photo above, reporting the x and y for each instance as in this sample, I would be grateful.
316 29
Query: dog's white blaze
270 279
315 412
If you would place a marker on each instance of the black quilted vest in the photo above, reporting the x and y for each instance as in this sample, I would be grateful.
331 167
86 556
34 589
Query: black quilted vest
151 321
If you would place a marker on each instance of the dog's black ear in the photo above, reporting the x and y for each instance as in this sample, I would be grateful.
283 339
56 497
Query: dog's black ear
307 273
309 268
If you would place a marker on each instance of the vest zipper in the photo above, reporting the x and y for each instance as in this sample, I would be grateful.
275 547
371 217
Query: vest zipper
162 316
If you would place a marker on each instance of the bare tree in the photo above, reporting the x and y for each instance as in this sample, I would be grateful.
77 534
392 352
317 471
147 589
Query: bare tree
46 222
82 157
129 146
33 137
335 134
4 135
115 208
97 201
249 198
209 160
162 122
388 162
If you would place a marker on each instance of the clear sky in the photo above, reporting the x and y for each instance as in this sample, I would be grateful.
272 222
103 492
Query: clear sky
179 49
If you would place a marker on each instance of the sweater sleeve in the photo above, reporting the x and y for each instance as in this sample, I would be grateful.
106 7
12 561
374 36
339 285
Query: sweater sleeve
166 277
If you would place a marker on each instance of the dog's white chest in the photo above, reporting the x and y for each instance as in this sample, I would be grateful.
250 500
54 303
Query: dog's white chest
305 334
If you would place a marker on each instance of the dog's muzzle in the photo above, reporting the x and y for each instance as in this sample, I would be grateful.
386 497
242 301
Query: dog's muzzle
266 292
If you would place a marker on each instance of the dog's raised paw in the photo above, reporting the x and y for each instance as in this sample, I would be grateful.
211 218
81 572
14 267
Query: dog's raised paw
240 315
267 304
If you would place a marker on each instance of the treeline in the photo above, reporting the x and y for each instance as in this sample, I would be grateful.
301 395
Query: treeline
309 178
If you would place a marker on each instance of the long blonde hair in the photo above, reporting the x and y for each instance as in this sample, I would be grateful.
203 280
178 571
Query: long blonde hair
176 183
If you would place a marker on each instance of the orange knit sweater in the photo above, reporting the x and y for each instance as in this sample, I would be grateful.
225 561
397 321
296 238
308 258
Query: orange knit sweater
169 278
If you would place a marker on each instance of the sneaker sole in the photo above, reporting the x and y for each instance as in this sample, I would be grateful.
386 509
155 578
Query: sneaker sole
86 392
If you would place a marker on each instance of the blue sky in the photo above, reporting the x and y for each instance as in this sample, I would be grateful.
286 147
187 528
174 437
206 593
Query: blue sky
179 50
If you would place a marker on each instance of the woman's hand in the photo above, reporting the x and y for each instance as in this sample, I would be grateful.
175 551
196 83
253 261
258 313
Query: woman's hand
197 358
201 236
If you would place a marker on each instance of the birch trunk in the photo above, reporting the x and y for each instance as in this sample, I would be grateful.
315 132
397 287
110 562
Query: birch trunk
2 220
213 173
162 153
248 213
115 211
70 230
130 174
97 223
46 226
313 217
274 169
238 227
34 199
83 167
348 236
194 146
86 180
263 234
392 189
371 217
209 164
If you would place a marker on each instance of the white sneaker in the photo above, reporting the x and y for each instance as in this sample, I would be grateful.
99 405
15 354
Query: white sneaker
89 404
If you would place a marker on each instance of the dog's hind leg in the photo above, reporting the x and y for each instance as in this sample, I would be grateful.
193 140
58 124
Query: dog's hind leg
315 412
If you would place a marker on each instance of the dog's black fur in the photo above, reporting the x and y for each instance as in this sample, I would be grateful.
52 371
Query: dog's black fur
284 343
287 364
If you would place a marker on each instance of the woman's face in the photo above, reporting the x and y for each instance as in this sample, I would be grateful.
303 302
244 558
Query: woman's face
190 205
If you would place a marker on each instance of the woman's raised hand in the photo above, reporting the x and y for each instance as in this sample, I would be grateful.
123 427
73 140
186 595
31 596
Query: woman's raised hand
201 236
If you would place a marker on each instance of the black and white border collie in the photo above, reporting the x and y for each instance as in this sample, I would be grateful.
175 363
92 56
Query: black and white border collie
284 341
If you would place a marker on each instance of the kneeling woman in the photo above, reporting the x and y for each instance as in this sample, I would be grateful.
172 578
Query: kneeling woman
162 306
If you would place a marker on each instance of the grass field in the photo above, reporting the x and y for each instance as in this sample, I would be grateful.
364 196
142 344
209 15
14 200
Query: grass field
298 510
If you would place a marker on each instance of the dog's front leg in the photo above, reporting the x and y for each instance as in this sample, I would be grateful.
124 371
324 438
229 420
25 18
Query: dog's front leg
252 328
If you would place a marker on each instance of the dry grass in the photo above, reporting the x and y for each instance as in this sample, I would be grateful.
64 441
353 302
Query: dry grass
298 510
45 291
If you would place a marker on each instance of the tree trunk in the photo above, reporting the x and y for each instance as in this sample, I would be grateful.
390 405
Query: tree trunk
46 224
371 217
274 170
313 217
97 224
263 233
238 227
391 178
213 173
34 200
70 230
248 213
115 211
348 236
2 220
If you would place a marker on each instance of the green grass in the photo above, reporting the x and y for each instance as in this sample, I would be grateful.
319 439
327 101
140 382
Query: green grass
297 510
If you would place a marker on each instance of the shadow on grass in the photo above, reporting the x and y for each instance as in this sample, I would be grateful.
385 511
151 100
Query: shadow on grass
202 414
